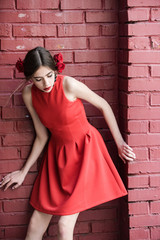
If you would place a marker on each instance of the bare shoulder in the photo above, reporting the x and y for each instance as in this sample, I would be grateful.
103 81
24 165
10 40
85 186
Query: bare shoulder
70 84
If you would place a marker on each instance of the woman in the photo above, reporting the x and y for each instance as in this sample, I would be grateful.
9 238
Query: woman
76 172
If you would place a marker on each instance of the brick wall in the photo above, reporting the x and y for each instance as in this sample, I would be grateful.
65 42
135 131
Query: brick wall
86 33
139 86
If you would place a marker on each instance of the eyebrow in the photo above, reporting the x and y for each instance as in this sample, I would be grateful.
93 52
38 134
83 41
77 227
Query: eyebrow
45 75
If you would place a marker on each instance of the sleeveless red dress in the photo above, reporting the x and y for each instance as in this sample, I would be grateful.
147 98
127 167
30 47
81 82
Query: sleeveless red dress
76 172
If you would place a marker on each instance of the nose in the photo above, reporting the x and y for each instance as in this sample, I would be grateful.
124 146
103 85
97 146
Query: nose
45 82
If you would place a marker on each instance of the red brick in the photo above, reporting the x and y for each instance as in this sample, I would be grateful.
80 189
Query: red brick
83 70
105 42
101 16
138 208
144 221
133 71
19 17
155 181
62 17
155 14
99 236
144 167
110 29
144 84
143 139
44 30
30 178
155 233
105 226
110 69
6 127
143 29
71 4
5 30
137 126
147 113
15 112
20 44
137 99
9 4
2 232
9 153
143 195
95 56
18 205
25 150
139 233
142 153
155 71
143 3
11 58
18 139
25 126
13 219
6 72
155 206
4 100
11 165
78 30
155 99
138 181
144 57
66 43
139 43
155 42
8 86
105 83
22 192
16 232
138 14
37 4
111 4
154 126
100 214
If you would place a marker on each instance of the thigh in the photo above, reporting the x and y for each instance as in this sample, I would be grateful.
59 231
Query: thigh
40 220
69 220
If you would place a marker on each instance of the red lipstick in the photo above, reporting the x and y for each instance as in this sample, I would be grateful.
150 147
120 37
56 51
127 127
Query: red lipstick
47 89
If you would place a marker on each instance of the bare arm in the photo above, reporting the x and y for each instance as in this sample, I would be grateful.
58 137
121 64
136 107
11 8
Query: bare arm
75 89
41 138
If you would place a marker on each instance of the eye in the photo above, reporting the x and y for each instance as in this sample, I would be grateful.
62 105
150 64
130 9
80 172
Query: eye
38 79
50 75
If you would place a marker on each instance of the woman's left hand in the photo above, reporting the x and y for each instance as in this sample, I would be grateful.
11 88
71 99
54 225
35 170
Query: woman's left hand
126 153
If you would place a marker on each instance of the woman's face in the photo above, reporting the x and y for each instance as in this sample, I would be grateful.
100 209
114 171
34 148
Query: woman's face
44 79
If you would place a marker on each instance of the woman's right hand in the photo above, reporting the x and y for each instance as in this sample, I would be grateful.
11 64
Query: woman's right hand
15 178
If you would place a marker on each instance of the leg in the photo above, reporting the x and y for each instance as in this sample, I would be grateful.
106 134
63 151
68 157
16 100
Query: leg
38 225
66 226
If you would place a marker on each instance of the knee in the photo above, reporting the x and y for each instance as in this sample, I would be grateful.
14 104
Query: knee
64 229
33 229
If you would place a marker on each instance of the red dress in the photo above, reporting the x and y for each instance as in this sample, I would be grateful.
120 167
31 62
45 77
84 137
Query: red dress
77 172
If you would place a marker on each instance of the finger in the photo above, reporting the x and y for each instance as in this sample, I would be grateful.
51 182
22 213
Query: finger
8 185
129 153
127 157
122 158
4 182
128 147
16 186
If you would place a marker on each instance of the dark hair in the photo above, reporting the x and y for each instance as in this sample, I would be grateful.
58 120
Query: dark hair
35 58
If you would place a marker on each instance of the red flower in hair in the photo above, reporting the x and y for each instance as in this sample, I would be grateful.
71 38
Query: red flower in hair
60 67
20 65
58 58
